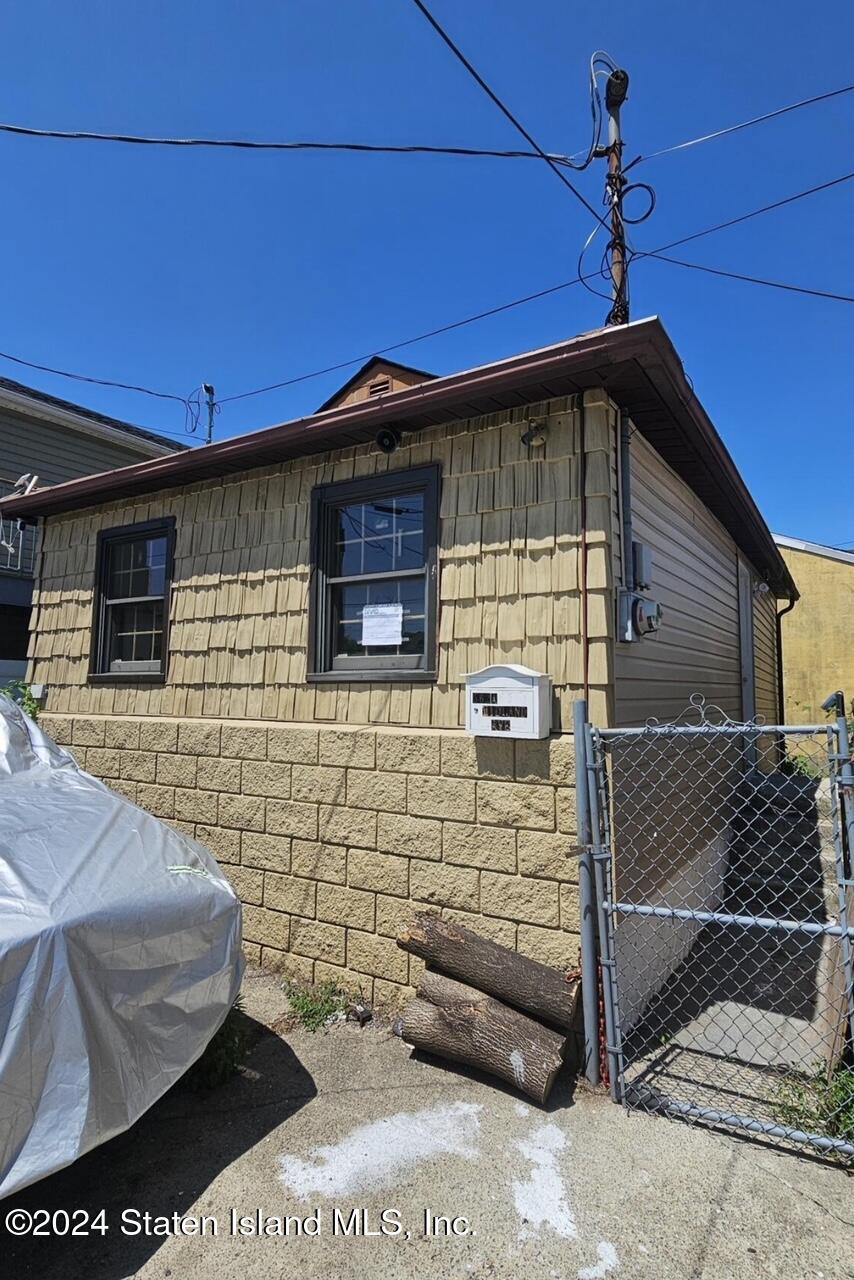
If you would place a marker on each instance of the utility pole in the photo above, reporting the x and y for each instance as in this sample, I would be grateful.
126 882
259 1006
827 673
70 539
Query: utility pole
616 90
210 392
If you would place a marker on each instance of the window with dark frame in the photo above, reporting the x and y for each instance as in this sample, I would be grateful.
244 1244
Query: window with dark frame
134 569
374 563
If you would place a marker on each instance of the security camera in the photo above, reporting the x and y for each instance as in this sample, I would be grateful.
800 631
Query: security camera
835 702
388 439
535 436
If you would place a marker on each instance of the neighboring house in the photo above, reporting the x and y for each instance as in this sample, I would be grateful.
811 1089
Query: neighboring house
200 629
818 649
56 441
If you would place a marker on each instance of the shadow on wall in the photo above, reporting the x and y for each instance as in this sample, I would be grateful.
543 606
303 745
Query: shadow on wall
160 1166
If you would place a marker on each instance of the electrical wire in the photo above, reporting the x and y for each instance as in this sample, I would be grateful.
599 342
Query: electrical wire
245 144
446 328
251 144
754 213
744 124
100 382
532 297
735 275
190 410
504 109
407 342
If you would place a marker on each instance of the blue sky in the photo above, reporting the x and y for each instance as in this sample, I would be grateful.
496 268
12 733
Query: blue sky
168 268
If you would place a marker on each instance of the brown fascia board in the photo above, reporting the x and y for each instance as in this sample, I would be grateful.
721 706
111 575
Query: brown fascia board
637 364
444 399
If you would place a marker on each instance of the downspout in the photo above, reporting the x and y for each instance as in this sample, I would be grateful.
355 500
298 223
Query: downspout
582 471
781 709
625 475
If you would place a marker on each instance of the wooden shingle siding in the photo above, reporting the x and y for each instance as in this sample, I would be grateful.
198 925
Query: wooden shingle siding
509 575
694 578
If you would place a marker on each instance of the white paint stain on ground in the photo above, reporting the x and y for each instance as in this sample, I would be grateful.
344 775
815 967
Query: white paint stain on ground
608 1261
521 1109
375 1155
541 1200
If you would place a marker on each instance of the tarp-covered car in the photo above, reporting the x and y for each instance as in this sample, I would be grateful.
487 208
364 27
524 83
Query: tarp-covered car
119 956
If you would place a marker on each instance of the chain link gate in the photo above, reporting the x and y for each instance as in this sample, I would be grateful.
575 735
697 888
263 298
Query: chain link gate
725 897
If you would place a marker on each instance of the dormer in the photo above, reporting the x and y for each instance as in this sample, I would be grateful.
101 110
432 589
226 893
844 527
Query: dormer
378 377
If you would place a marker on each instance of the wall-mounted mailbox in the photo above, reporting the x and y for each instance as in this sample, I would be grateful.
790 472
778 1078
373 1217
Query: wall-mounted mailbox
508 701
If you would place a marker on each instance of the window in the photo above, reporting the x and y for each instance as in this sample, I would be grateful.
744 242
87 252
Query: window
134 568
373 609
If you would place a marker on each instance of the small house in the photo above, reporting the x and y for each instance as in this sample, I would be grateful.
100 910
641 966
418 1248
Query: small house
266 640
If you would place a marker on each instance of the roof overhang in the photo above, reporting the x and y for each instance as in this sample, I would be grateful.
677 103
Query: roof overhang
636 364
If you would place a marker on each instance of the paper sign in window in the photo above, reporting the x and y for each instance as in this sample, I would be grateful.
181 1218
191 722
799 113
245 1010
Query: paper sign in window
382 624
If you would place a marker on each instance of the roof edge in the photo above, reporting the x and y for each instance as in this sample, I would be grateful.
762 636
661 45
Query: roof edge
814 548
590 360
28 400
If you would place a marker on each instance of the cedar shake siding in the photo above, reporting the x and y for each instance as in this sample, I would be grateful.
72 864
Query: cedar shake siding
509 573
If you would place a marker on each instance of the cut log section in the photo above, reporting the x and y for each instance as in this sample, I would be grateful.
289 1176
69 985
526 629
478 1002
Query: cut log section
538 989
457 1022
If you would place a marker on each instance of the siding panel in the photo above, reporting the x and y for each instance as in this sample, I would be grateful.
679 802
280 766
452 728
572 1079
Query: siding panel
695 579
765 656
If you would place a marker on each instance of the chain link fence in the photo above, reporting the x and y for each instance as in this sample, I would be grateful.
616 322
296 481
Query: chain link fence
728 905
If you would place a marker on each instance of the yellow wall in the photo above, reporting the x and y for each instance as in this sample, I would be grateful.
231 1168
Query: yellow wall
818 649
509 579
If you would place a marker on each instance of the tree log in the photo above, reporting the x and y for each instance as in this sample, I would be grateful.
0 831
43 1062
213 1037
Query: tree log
457 1022
538 989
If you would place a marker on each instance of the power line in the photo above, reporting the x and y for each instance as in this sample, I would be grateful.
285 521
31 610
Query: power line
253 144
754 213
744 124
247 144
505 110
532 297
100 382
735 275
408 342
456 324
187 401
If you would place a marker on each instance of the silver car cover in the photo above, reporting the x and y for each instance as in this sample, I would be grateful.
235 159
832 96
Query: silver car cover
119 956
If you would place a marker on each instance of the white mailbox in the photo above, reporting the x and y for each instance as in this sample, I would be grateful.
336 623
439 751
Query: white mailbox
508 702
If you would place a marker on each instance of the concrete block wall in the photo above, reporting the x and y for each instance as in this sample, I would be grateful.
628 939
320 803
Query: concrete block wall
333 838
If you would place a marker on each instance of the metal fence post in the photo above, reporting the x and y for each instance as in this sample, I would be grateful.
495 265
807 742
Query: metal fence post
586 899
845 872
846 778
601 854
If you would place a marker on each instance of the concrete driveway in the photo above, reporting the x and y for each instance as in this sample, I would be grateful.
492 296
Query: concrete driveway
332 1130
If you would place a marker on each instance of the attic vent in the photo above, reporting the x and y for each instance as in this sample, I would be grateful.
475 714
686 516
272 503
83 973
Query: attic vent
379 387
